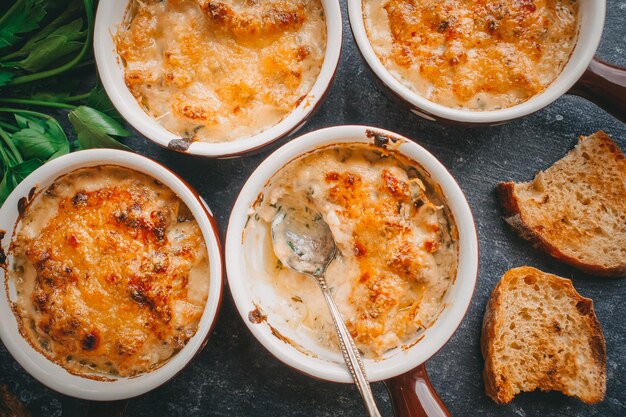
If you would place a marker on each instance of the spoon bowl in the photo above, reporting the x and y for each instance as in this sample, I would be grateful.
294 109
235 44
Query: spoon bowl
303 241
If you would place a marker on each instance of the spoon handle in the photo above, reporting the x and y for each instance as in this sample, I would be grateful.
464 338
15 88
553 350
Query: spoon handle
350 354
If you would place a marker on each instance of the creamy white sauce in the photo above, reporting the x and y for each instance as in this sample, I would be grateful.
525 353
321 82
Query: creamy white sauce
471 54
299 305
75 271
217 71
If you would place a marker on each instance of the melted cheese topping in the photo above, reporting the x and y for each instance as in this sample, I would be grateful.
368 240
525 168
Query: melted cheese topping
111 272
473 54
396 255
216 71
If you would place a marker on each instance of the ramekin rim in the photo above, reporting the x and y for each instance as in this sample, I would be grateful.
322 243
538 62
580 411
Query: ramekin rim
233 258
53 375
571 73
106 58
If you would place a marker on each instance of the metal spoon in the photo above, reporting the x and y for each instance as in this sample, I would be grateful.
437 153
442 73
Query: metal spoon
303 242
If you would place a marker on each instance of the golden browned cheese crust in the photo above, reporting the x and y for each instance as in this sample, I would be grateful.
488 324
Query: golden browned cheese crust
385 222
397 249
111 272
218 71
473 54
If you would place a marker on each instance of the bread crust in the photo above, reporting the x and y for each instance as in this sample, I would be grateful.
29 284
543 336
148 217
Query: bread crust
496 391
496 385
514 216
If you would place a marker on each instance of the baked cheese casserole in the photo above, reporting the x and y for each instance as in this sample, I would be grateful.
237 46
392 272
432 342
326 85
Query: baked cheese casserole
473 54
111 272
396 243
216 71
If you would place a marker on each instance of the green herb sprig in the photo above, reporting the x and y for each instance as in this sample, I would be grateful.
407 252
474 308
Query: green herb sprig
41 42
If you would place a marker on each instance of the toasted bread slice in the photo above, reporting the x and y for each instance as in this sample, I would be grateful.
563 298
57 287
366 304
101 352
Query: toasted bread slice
538 332
576 209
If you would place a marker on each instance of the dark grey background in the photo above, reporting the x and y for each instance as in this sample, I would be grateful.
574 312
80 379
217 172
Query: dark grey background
236 376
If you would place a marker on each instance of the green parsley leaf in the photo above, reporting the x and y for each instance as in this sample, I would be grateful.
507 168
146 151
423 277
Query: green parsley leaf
99 100
42 139
95 129
13 175
5 76
295 249
60 43
70 10
23 122
23 17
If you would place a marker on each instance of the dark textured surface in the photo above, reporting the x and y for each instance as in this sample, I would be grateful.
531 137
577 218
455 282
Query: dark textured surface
236 376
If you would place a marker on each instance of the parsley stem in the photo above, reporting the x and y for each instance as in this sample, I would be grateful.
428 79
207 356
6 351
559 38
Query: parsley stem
10 11
84 64
27 112
8 127
16 154
7 161
56 71
40 103
12 55
78 97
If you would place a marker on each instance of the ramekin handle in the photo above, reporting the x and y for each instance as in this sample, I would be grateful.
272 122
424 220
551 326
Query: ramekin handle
605 85
106 408
412 395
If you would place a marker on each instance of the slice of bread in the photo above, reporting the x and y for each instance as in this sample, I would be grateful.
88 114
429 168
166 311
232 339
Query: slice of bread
538 332
576 209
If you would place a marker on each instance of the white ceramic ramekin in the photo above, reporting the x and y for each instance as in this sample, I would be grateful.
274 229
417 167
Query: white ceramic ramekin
110 15
53 375
605 79
248 295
